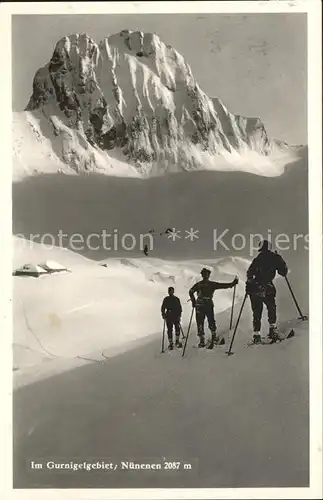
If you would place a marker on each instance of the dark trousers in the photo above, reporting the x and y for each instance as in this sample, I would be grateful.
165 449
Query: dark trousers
257 304
171 322
202 311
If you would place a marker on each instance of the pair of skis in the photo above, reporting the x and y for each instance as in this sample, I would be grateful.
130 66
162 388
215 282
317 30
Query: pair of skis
302 316
268 341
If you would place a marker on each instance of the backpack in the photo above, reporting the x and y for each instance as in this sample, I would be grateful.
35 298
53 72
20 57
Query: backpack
253 287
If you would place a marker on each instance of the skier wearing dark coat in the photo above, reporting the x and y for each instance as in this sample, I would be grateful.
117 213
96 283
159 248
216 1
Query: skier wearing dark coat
204 306
261 289
171 310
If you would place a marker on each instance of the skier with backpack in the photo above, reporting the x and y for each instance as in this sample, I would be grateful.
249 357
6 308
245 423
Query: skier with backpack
261 290
204 307
171 311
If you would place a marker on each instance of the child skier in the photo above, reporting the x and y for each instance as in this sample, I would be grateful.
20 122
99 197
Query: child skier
171 310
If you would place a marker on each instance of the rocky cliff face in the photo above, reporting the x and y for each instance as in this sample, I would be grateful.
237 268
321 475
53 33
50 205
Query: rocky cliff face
133 96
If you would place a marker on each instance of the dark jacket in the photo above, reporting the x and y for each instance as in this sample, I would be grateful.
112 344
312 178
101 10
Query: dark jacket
205 290
171 306
264 267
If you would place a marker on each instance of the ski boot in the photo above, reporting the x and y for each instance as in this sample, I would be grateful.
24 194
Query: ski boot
202 341
214 340
273 334
256 338
178 343
170 346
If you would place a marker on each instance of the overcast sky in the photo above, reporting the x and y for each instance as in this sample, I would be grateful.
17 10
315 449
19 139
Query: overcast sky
255 63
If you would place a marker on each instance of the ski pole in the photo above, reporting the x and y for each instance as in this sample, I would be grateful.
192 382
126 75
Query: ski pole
232 308
182 331
163 339
188 331
302 316
229 352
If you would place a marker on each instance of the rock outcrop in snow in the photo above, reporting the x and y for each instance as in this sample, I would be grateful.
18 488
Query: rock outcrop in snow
134 99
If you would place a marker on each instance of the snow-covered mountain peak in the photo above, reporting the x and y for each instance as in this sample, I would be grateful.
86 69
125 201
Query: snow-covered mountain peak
150 51
133 97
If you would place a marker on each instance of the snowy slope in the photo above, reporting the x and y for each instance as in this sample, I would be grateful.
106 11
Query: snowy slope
36 149
242 421
131 99
96 307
